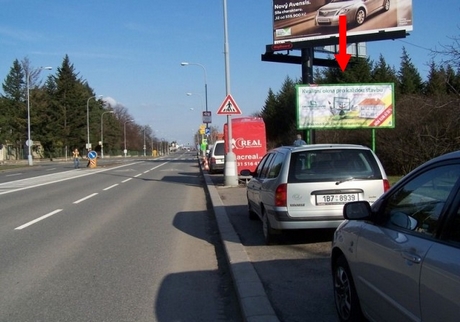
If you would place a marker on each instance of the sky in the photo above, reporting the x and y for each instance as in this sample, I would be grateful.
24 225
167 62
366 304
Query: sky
131 52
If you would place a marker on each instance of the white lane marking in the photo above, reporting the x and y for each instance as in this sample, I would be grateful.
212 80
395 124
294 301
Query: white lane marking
51 169
87 197
147 171
14 174
81 174
112 186
38 219
137 175
127 180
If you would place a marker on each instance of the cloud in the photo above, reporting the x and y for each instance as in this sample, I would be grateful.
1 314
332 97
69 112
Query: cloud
109 102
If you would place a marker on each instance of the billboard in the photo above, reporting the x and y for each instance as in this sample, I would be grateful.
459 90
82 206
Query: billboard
345 106
295 21
248 141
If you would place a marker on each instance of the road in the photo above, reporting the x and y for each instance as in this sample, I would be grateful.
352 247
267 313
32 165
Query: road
132 241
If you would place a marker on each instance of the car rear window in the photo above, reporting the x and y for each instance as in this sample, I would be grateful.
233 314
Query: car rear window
332 164
219 149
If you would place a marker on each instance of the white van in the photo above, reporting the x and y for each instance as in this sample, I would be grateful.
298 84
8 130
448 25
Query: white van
216 158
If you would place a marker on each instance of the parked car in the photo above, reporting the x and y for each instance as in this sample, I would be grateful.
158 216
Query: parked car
306 187
216 159
356 11
399 258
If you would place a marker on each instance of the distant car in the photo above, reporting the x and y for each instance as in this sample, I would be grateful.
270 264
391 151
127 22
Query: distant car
306 187
399 259
216 158
356 11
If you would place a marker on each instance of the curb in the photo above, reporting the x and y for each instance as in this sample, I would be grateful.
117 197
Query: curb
254 303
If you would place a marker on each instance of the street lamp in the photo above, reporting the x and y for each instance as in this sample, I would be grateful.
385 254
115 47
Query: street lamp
145 127
88 144
205 82
29 141
126 151
102 131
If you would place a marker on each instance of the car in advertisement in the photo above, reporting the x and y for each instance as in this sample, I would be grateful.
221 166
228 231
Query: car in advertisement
356 11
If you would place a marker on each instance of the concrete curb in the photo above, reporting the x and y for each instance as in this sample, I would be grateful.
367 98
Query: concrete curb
254 303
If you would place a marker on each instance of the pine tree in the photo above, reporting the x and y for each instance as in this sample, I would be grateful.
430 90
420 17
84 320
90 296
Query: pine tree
436 82
409 79
14 108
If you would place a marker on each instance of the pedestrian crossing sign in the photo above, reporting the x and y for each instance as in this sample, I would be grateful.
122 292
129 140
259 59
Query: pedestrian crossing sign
229 107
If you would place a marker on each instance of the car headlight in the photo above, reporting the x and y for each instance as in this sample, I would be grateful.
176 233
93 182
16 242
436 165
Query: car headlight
343 11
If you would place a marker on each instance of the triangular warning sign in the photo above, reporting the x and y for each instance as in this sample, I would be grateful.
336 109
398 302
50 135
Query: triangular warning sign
229 107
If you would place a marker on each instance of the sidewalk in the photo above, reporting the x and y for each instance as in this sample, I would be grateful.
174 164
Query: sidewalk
254 303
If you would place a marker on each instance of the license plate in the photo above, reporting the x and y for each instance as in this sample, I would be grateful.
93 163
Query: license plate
336 199
324 20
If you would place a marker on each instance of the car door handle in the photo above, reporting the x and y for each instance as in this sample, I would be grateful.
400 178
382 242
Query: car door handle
411 257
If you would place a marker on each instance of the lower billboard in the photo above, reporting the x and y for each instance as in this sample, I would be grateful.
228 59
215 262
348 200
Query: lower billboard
345 106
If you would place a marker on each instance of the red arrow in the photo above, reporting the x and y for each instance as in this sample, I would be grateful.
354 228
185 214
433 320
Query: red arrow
342 57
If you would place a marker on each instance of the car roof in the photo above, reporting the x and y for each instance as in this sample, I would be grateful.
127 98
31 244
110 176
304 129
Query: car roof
444 157
323 146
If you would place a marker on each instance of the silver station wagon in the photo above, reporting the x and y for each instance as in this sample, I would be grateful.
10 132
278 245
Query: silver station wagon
306 187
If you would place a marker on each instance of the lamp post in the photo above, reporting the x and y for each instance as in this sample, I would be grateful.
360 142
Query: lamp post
205 83
145 127
125 151
29 141
102 131
88 144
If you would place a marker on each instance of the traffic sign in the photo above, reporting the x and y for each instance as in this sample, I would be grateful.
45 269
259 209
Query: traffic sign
207 117
229 107
207 131
92 155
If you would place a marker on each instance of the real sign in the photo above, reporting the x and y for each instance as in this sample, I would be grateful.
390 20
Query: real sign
295 21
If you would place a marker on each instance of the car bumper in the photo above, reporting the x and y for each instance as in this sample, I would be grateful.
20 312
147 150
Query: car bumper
282 220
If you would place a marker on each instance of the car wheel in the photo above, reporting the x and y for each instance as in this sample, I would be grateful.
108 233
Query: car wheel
360 16
345 296
386 6
270 234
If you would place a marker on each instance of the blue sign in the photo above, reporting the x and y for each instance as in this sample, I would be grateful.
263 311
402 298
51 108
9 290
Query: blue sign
207 131
92 155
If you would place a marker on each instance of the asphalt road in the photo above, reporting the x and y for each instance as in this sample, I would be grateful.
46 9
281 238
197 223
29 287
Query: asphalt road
131 242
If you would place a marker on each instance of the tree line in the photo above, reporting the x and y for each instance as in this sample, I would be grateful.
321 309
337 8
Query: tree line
427 112
59 109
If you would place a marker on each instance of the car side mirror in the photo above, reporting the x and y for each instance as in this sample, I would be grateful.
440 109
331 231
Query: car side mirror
357 210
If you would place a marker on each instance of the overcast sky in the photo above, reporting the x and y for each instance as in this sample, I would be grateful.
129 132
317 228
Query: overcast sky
131 51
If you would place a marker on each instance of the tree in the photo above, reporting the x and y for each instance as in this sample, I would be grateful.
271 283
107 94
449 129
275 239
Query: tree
14 109
409 79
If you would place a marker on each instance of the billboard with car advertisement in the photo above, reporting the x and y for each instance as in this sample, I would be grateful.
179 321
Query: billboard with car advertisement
345 106
248 141
295 21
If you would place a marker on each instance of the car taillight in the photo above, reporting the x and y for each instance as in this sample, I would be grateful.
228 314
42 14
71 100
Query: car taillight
213 160
386 185
281 195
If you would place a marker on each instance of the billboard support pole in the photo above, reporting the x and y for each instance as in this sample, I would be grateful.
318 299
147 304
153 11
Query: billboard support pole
307 78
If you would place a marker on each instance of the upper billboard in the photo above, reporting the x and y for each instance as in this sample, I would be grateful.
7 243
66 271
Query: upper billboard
295 21
345 106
